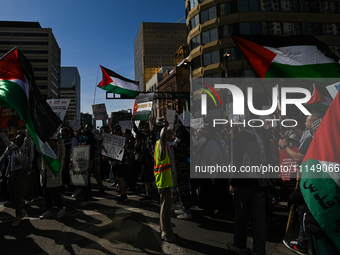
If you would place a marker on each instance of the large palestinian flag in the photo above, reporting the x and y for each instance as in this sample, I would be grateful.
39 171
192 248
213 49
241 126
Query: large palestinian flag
320 182
19 92
272 56
114 83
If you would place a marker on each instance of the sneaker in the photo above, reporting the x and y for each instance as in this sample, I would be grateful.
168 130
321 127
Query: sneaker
76 193
184 216
113 185
84 203
179 211
17 219
145 199
236 250
46 215
295 247
122 199
61 213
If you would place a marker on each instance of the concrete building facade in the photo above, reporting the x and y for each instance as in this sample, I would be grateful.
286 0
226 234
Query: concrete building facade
40 47
155 46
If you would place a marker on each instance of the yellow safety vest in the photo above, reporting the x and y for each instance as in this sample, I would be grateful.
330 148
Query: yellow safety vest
162 169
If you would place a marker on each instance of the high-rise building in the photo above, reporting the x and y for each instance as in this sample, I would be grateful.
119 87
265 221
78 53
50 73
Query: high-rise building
210 24
70 89
41 49
155 46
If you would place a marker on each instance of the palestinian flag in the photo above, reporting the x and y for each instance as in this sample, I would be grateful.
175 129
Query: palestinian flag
19 92
272 56
320 182
319 101
114 83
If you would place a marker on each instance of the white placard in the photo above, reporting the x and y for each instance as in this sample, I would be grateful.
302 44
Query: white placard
59 106
75 125
185 118
80 164
197 123
170 116
99 111
333 89
113 146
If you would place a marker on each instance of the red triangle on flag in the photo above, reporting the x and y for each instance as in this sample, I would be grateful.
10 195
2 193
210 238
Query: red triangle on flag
317 97
259 58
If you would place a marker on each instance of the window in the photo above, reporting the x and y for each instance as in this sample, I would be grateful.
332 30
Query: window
196 63
310 6
271 28
270 5
208 14
290 28
195 42
290 6
209 36
329 7
227 30
211 58
194 22
193 3
249 5
331 28
313 29
227 8
251 28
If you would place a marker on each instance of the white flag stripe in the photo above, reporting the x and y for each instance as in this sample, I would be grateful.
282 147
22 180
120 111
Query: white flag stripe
124 84
333 174
299 55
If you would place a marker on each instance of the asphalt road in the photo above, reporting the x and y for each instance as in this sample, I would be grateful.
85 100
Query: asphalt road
104 227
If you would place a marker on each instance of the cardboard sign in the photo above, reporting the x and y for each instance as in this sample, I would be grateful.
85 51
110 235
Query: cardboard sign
9 118
113 146
287 165
80 164
99 111
143 106
59 106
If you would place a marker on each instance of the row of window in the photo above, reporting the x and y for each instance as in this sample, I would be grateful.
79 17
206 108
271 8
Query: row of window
23 34
268 27
264 5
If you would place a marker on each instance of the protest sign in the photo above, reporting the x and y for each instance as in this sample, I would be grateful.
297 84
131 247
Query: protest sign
143 106
170 116
197 123
75 125
125 124
59 106
113 146
80 164
99 111
287 165
185 118
333 89
9 118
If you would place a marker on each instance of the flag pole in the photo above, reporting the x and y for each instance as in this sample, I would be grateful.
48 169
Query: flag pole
95 88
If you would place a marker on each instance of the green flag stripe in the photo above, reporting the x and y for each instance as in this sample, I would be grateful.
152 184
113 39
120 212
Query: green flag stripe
119 90
329 70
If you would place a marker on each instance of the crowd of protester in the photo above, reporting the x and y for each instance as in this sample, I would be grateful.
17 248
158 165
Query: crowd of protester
159 156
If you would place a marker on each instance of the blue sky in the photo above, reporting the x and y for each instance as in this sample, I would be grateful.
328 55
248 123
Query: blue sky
95 32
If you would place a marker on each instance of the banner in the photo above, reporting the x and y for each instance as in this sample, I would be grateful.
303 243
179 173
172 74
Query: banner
9 118
333 89
113 146
99 111
59 106
80 164
143 106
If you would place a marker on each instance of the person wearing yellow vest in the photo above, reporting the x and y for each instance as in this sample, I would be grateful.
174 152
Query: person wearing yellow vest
163 164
